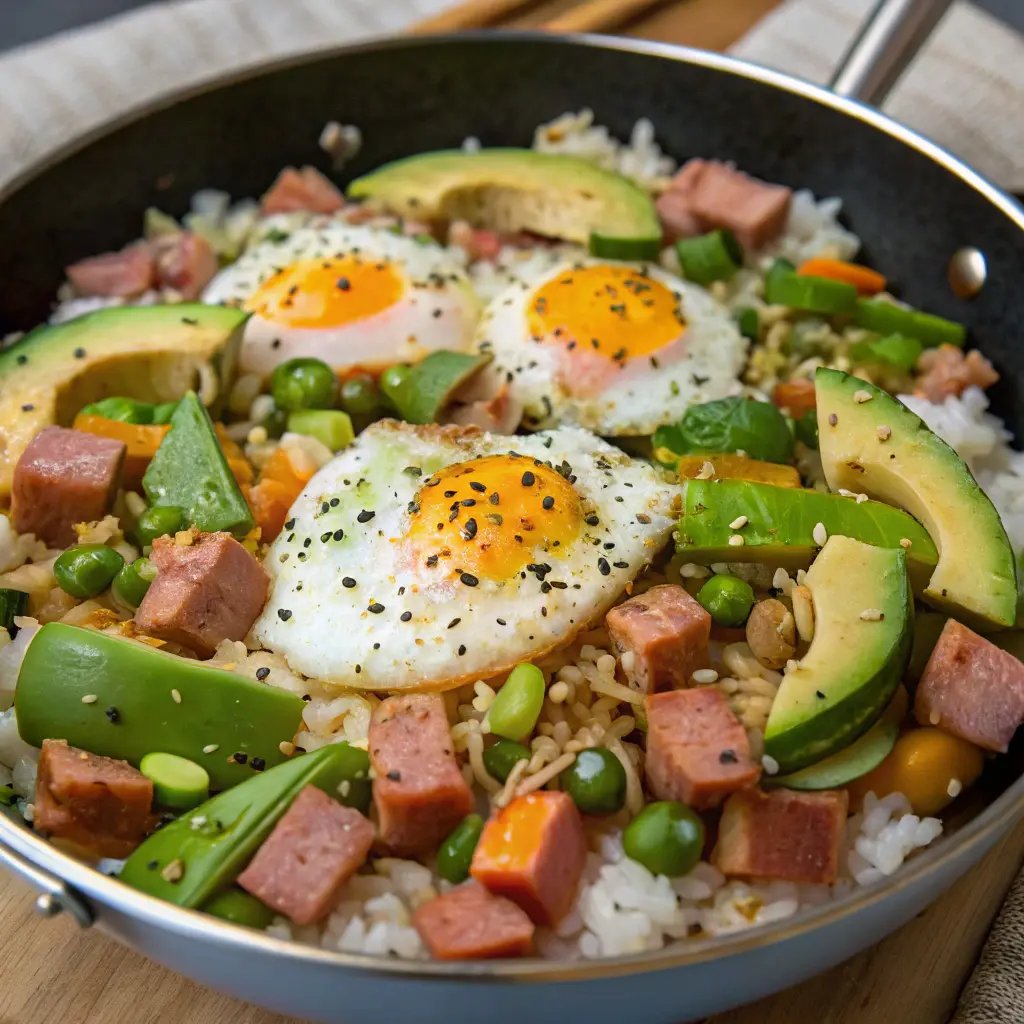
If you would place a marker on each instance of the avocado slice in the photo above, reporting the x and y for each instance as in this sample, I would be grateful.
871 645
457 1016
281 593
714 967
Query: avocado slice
863 630
213 843
780 526
190 471
152 353
872 443
115 697
859 758
513 190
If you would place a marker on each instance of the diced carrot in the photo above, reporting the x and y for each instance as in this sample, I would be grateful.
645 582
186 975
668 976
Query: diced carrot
864 279
240 467
270 499
142 441
796 396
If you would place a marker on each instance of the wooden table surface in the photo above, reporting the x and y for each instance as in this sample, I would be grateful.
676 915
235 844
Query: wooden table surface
51 971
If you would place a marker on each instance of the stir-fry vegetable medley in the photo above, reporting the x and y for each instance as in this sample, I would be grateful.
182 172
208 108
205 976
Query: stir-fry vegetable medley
521 540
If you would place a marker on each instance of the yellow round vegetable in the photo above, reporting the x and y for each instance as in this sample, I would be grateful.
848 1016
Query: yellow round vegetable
929 766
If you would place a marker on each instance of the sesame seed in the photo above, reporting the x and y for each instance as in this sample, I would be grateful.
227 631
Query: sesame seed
833 419
819 534
736 541
90 698
872 615
738 523
405 616
450 494
707 471
338 534
603 567
365 516
262 673
592 520
113 715
954 789
376 608
770 765
728 757
469 579
335 502
210 748
906 543
290 525
618 565
239 757
469 530
468 502
704 676
528 479
454 623
477 486
257 764
860 397
462 650
174 872
176 696
347 582
286 748
642 517
548 502
284 614
883 433
325 537
493 499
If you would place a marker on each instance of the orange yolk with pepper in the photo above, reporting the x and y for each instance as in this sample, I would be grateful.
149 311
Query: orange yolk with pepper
327 292
486 517
613 311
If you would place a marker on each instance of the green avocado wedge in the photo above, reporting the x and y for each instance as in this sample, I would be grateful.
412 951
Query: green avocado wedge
863 630
189 471
150 353
780 524
204 851
872 443
859 758
511 190
116 698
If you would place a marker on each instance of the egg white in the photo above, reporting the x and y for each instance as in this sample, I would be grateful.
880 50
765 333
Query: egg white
452 633
645 393
437 309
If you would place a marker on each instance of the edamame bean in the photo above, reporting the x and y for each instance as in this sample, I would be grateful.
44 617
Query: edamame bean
360 395
456 853
666 837
303 384
727 599
500 759
132 582
596 781
517 706
159 521
275 423
87 570
238 907
124 410
163 412
391 381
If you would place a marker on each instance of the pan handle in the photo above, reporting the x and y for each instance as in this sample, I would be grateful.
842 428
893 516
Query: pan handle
887 42
54 896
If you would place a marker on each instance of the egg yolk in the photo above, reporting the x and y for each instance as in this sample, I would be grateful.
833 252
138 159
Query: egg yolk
617 312
485 519
327 292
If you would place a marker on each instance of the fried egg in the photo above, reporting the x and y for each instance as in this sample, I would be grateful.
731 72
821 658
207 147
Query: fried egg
353 296
618 348
427 557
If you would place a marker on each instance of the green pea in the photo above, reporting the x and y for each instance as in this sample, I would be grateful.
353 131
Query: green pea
163 412
275 423
159 521
303 384
124 410
391 381
727 599
87 570
238 907
596 781
360 395
500 759
666 837
806 429
517 706
132 582
456 853
7 796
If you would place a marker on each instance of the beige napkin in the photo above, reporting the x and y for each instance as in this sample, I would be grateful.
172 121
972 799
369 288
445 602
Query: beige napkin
965 90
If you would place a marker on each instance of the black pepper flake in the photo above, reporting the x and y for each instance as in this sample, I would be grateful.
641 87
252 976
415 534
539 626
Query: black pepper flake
643 518
290 525
469 579
454 623
27 407
376 647
603 566
338 534
413 471
819 695
191 321
153 865
728 757
493 499
501 622
79 353
239 757
359 669
306 697
262 673
348 582
376 608
548 502
528 479
365 516
592 520
405 616
413 507
477 486
257 764
833 419
621 565
113 715
22 360
344 284
395 776
462 650
284 614
431 561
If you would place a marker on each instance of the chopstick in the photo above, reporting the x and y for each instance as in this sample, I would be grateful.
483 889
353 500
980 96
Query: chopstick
471 14
599 15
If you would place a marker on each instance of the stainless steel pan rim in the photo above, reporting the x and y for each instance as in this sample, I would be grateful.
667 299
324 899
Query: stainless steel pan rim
67 880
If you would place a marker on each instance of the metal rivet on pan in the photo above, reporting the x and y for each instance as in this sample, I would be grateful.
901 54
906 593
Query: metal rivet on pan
967 272
47 905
